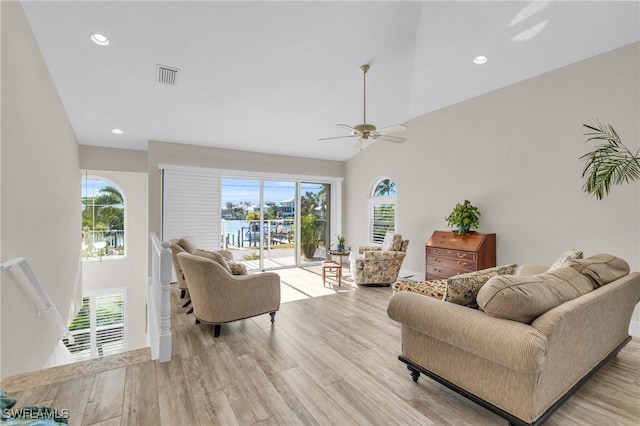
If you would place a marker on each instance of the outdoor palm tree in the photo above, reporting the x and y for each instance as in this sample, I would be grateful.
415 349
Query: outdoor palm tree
385 187
610 163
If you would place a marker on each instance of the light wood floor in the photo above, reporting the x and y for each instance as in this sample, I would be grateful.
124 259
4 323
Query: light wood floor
329 359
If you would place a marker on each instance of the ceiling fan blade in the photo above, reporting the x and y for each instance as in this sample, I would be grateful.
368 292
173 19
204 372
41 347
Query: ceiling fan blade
347 127
338 137
389 138
392 129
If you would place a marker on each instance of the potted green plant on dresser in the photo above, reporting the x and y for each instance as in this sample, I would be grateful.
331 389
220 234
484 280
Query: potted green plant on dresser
464 217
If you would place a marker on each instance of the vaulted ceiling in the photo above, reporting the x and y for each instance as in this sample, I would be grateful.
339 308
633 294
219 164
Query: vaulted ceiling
276 76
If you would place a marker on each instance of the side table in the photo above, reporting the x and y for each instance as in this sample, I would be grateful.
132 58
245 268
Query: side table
340 255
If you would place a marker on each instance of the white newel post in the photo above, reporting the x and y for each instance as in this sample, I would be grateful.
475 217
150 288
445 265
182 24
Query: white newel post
165 311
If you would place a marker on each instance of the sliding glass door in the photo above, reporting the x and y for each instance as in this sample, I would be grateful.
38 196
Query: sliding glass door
315 232
279 223
264 228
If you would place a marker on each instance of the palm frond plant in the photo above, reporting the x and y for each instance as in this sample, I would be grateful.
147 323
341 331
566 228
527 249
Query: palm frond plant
610 163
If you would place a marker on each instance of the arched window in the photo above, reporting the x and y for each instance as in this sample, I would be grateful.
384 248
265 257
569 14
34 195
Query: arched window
382 210
102 219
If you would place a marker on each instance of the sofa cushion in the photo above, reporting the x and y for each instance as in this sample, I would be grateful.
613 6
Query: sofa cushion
216 257
463 289
524 298
565 258
397 242
601 269
187 243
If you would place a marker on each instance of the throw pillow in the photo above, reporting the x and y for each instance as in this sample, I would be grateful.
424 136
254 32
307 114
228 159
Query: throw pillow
237 268
601 269
387 243
525 298
565 258
212 255
463 289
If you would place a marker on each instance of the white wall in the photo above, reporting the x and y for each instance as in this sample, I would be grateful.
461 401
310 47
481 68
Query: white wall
129 271
514 154
40 188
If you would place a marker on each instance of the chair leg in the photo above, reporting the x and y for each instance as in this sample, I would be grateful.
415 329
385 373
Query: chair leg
187 304
273 316
183 293
189 311
216 330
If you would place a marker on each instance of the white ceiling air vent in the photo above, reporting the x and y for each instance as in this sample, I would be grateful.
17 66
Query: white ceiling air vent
167 75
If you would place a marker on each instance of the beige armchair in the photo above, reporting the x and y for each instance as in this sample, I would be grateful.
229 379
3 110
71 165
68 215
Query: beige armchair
379 266
219 297
188 245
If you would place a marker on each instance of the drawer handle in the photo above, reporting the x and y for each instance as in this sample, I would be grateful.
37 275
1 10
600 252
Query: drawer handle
436 251
462 263
461 254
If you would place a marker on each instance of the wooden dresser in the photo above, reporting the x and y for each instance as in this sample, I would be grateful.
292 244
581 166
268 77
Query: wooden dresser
449 253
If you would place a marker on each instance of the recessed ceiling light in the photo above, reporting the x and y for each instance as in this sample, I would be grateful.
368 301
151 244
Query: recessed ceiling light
117 131
480 59
99 39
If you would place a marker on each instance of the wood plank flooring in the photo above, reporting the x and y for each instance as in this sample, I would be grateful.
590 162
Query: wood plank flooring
328 359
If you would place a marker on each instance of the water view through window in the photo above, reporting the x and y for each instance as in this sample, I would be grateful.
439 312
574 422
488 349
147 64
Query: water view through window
271 243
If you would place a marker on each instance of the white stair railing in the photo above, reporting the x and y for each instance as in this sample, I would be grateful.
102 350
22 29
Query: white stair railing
158 293
37 286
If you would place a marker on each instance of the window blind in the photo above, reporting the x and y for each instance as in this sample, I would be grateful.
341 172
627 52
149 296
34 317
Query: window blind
99 327
382 218
191 206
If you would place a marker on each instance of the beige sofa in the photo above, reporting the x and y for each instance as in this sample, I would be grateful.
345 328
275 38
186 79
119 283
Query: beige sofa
523 369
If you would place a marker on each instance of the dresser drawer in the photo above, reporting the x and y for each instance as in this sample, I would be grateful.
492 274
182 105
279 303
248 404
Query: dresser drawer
443 272
454 254
459 263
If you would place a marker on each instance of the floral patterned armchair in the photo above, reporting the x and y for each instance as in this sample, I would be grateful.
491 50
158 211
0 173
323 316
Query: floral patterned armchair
379 266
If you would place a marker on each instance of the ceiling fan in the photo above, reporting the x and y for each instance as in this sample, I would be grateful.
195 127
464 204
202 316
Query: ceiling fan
365 130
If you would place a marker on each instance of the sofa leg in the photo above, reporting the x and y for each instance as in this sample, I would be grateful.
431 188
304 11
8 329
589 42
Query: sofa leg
197 321
183 293
273 317
187 303
415 374
216 330
189 311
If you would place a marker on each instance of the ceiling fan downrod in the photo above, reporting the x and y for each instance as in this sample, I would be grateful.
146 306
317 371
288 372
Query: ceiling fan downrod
363 69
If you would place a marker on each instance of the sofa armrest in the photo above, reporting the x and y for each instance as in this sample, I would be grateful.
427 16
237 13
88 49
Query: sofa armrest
514 345
527 270
362 249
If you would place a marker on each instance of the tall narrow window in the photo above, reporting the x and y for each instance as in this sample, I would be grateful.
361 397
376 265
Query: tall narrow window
99 327
102 219
382 210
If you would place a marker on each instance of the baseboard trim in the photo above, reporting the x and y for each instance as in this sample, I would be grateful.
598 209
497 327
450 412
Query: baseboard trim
634 328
